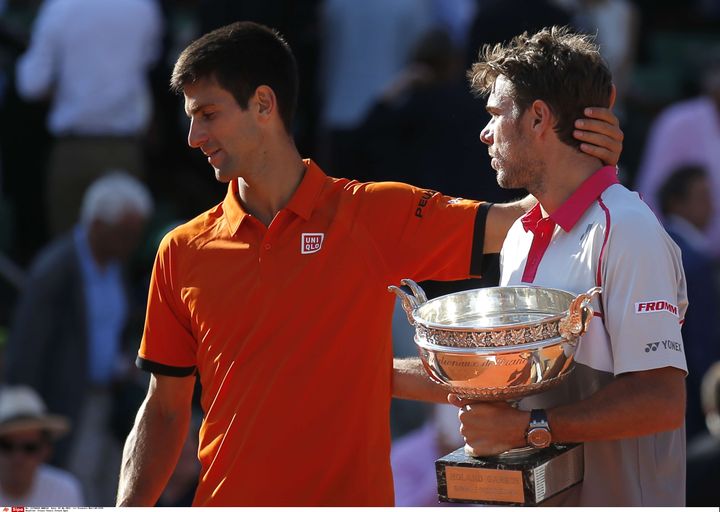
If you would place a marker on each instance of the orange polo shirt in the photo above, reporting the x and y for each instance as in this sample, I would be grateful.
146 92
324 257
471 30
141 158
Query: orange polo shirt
288 327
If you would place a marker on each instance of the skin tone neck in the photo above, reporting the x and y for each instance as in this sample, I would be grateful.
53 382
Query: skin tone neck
563 168
269 188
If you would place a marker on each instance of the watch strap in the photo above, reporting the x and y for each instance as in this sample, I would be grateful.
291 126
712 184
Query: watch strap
539 417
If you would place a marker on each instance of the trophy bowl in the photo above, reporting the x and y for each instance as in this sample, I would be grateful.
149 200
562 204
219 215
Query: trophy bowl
501 343
498 343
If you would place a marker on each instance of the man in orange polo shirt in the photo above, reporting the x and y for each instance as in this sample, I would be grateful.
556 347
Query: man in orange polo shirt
276 298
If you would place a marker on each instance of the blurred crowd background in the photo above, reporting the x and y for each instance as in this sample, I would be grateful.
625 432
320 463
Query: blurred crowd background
383 96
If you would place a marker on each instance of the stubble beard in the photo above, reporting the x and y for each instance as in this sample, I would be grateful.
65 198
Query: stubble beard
522 173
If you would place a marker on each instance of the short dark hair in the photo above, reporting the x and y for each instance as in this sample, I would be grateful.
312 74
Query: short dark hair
241 57
556 65
677 185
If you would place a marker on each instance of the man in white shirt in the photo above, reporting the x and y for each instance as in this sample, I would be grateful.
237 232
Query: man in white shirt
91 59
626 398
26 436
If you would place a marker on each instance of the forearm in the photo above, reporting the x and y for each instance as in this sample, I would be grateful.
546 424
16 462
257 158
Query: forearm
151 452
633 405
499 219
412 382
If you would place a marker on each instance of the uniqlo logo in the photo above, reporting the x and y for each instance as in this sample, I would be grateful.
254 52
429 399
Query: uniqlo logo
311 242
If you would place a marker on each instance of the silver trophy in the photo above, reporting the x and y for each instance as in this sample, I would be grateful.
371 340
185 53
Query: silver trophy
501 343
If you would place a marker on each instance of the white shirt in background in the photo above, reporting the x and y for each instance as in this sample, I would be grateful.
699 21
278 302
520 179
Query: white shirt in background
91 58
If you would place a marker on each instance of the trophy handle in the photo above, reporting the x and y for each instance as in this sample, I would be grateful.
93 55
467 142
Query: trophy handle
580 312
409 302
418 292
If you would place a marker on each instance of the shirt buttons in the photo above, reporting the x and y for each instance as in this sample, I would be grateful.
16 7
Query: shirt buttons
267 247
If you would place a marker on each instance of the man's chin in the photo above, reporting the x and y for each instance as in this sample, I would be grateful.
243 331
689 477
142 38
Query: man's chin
221 176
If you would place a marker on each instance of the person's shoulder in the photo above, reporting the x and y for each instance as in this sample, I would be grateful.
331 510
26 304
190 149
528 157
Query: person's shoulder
60 485
197 231
59 253
372 191
56 476
632 221
627 206
687 111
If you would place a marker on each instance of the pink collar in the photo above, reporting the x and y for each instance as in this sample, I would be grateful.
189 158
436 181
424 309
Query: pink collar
573 208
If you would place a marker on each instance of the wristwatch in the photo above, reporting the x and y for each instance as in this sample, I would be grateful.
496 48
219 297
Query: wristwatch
538 432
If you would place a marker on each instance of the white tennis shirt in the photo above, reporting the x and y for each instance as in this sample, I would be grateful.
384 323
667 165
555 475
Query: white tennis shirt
606 235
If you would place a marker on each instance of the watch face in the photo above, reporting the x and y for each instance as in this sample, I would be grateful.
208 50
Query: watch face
539 437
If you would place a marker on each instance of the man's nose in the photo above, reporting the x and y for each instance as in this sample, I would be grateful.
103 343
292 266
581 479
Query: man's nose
486 135
196 135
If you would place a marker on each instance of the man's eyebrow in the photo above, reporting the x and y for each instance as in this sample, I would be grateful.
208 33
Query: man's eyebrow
195 109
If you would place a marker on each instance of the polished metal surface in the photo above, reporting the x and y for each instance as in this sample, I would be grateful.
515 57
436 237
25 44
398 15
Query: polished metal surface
498 373
497 343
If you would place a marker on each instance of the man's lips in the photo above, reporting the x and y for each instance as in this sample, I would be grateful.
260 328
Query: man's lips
212 155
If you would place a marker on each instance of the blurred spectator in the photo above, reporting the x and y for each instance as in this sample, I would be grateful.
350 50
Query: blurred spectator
66 337
703 456
425 126
500 20
365 44
27 433
687 206
91 59
616 23
455 17
687 132
413 457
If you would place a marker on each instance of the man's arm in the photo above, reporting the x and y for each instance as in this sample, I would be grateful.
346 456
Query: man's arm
633 405
153 447
412 382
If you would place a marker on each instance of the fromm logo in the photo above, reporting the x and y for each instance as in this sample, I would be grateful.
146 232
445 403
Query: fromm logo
655 306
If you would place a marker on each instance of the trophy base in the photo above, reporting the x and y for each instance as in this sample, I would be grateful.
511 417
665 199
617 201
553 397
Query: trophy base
509 480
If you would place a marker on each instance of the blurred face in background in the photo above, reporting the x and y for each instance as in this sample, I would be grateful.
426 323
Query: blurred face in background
117 241
20 455
697 205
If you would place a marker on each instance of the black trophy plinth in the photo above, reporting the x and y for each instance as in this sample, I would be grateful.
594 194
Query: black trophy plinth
524 480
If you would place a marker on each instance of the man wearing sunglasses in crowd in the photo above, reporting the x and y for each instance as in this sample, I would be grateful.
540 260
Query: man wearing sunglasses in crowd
27 433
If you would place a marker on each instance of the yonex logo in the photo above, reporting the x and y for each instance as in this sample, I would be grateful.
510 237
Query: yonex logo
655 306
664 344
311 242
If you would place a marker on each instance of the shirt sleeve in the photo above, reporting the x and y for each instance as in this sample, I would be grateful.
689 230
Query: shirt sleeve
644 296
423 234
168 346
36 68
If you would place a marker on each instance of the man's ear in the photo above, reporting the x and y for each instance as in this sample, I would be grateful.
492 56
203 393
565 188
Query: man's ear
613 95
265 101
540 117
